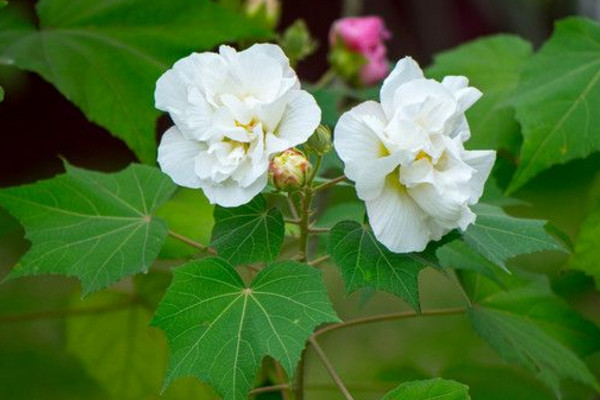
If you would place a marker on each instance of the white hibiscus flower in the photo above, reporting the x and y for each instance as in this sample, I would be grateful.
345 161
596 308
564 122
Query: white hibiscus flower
232 111
407 157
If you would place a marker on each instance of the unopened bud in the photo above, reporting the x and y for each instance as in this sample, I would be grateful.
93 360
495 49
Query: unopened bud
289 170
297 43
265 11
320 141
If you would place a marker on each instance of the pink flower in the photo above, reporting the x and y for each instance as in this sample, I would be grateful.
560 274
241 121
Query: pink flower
364 35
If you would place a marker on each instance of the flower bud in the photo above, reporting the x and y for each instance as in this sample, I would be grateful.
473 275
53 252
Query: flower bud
266 11
289 170
358 53
297 42
320 141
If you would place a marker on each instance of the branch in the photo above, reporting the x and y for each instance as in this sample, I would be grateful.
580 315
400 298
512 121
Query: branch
318 261
387 317
192 243
68 312
336 378
331 183
318 230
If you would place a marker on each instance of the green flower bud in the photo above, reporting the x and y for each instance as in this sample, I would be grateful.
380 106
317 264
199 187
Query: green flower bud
267 12
289 170
297 43
320 141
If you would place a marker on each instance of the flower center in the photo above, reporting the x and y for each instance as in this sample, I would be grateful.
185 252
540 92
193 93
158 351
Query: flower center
422 155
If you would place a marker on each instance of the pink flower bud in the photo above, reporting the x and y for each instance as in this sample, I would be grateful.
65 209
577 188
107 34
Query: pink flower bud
363 36
289 170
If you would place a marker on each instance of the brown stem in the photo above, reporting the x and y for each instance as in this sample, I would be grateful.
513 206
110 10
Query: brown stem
387 317
336 378
319 260
192 243
331 183
267 389
318 230
285 392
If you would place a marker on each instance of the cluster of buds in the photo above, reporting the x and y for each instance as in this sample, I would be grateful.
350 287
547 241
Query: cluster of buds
358 53
289 171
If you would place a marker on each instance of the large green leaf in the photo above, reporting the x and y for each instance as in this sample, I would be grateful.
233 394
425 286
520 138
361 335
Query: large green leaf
586 256
529 325
557 99
122 352
95 226
493 65
458 255
106 56
499 237
365 262
219 329
431 389
248 233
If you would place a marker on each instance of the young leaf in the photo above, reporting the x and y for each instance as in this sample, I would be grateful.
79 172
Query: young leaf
431 389
106 58
555 101
122 352
492 65
529 325
219 329
95 226
499 237
365 262
248 233
586 257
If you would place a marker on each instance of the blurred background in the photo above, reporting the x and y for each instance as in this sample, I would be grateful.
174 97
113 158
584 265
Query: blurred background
37 125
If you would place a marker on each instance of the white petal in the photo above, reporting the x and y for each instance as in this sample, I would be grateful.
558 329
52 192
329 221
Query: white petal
455 83
448 208
230 194
176 156
371 175
299 120
405 71
465 95
482 162
397 221
272 50
354 137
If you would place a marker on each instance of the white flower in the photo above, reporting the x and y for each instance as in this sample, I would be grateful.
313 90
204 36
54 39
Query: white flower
232 111
407 157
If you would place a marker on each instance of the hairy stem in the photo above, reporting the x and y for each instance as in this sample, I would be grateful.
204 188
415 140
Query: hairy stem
192 243
387 317
336 378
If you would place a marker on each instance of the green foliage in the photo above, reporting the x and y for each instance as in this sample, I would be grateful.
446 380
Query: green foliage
219 329
499 237
248 233
438 389
122 352
458 255
1 94
365 262
106 58
556 99
190 214
493 65
529 325
95 226
586 257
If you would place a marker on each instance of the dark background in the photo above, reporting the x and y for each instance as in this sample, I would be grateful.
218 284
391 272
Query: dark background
37 124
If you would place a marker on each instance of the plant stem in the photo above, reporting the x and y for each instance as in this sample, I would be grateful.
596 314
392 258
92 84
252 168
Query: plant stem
268 389
299 381
331 183
319 260
192 243
387 317
284 386
68 312
325 79
292 206
336 378
318 230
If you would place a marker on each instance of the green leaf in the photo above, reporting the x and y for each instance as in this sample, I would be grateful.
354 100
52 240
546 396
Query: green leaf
499 237
555 101
586 257
106 57
248 233
431 389
529 325
219 329
121 351
329 101
190 214
458 255
364 262
95 226
1 94
493 65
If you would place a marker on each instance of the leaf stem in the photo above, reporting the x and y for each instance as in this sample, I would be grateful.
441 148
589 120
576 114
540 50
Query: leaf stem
336 378
67 312
331 183
318 230
319 260
388 317
192 243
267 389
284 386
